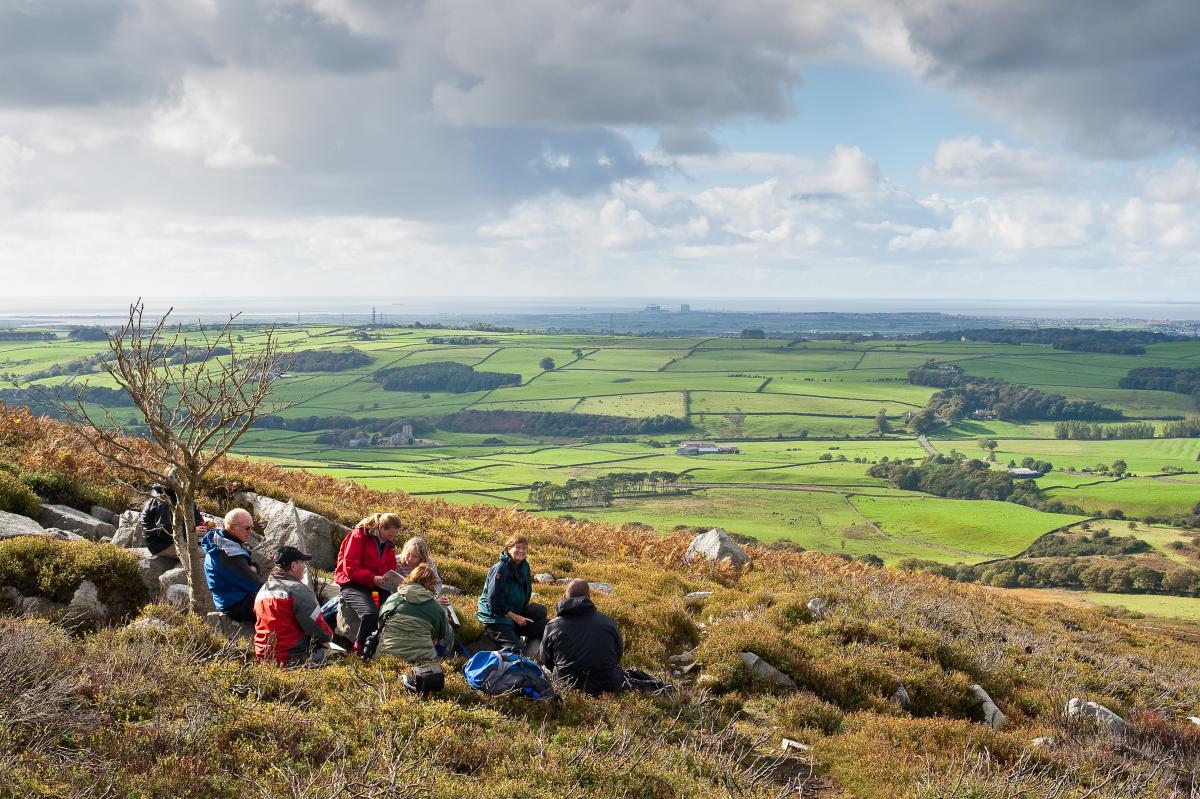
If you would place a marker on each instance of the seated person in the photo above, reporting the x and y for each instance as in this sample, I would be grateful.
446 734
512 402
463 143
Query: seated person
289 628
363 562
582 646
229 568
158 521
504 606
415 552
412 623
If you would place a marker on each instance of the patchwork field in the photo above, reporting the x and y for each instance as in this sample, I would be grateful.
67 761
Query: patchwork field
802 413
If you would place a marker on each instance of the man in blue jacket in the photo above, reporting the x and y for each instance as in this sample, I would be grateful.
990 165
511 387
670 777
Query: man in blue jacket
229 568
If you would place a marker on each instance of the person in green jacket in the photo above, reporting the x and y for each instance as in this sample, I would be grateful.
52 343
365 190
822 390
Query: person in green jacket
412 623
504 607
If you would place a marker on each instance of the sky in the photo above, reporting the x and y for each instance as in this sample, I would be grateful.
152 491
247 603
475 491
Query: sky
915 149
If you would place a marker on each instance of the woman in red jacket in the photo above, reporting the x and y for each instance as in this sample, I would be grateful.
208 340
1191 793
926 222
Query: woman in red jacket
367 554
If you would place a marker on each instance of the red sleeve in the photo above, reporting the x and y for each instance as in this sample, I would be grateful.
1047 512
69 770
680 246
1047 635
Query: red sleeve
389 560
354 561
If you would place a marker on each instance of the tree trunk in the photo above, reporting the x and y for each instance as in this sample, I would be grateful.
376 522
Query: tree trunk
190 557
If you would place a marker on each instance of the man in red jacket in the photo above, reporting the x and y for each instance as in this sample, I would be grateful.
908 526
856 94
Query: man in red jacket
289 628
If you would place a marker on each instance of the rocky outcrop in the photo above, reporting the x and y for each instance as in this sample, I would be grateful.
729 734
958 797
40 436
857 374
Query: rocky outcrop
716 546
175 576
180 596
764 671
13 525
103 514
129 530
75 521
285 524
543 577
85 608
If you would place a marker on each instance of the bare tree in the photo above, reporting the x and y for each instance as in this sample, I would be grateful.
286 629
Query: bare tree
197 394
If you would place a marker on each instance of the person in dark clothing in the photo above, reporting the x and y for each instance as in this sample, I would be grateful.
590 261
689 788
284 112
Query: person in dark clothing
158 521
504 607
583 646
229 567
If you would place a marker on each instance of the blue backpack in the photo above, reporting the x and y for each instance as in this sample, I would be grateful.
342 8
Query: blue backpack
506 672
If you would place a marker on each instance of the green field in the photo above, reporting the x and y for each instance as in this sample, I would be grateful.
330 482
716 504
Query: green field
801 412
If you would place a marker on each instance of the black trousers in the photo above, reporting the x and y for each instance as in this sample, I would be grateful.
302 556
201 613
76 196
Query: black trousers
359 600
511 634
243 611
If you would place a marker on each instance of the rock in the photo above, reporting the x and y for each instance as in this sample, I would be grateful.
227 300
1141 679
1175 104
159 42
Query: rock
41 608
63 535
696 597
1043 743
901 697
817 607
103 514
11 598
1194 719
543 577
788 744
991 713
682 659
347 622
233 630
13 525
327 590
150 624
284 523
180 596
175 576
75 521
451 590
85 607
765 671
716 546
150 568
129 530
603 589
1096 713
562 581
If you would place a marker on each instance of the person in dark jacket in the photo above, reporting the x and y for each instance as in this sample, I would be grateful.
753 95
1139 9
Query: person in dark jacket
504 607
582 646
229 567
288 626
158 521
366 567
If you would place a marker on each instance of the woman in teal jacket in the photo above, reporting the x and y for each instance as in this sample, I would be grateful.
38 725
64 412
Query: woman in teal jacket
504 607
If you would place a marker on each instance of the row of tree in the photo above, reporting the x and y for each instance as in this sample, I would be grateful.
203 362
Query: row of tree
1113 342
1110 575
456 378
965 396
462 341
338 360
559 424
1086 431
600 492
26 335
307 424
1163 378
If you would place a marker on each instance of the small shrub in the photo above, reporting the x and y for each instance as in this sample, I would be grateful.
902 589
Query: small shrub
805 710
16 497
59 488
54 569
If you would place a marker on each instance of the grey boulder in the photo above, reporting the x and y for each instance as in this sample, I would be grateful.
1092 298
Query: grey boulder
103 514
992 716
85 607
179 596
716 546
285 524
543 577
150 568
41 608
900 697
233 630
764 671
129 530
76 521
817 607
1095 713
13 525
603 589
175 576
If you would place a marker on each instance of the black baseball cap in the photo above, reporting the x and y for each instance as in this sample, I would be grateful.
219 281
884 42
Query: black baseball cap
287 555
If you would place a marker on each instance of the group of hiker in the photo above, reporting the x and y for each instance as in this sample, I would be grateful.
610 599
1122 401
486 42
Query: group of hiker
396 601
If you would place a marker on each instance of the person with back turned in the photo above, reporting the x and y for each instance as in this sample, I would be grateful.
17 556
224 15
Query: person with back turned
582 646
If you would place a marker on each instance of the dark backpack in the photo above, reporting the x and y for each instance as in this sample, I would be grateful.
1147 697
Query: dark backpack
427 679
506 672
638 680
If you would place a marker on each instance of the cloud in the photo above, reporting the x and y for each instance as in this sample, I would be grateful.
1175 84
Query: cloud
1177 183
1108 77
967 162
1002 226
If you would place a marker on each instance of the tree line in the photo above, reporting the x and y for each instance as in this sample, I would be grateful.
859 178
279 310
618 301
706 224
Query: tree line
1118 576
547 423
456 378
26 335
308 424
1086 431
1075 339
325 360
600 492
1164 378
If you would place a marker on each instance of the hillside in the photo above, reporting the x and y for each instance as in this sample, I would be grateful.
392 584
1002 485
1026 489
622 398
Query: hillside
165 707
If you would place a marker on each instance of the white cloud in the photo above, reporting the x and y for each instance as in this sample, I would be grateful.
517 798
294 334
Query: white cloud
204 123
1001 226
967 162
1177 183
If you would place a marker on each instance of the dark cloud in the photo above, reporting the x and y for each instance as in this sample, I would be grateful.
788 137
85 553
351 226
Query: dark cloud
687 141
1112 78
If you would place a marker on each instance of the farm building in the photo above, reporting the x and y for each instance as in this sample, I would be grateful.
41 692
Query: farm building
1021 471
704 448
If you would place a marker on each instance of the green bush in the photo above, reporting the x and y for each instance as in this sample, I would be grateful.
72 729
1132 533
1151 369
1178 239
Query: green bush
54 569
15 496
805 710
58 488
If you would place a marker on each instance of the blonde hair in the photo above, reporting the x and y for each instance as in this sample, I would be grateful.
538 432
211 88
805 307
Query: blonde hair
424 575
418 545
380 520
